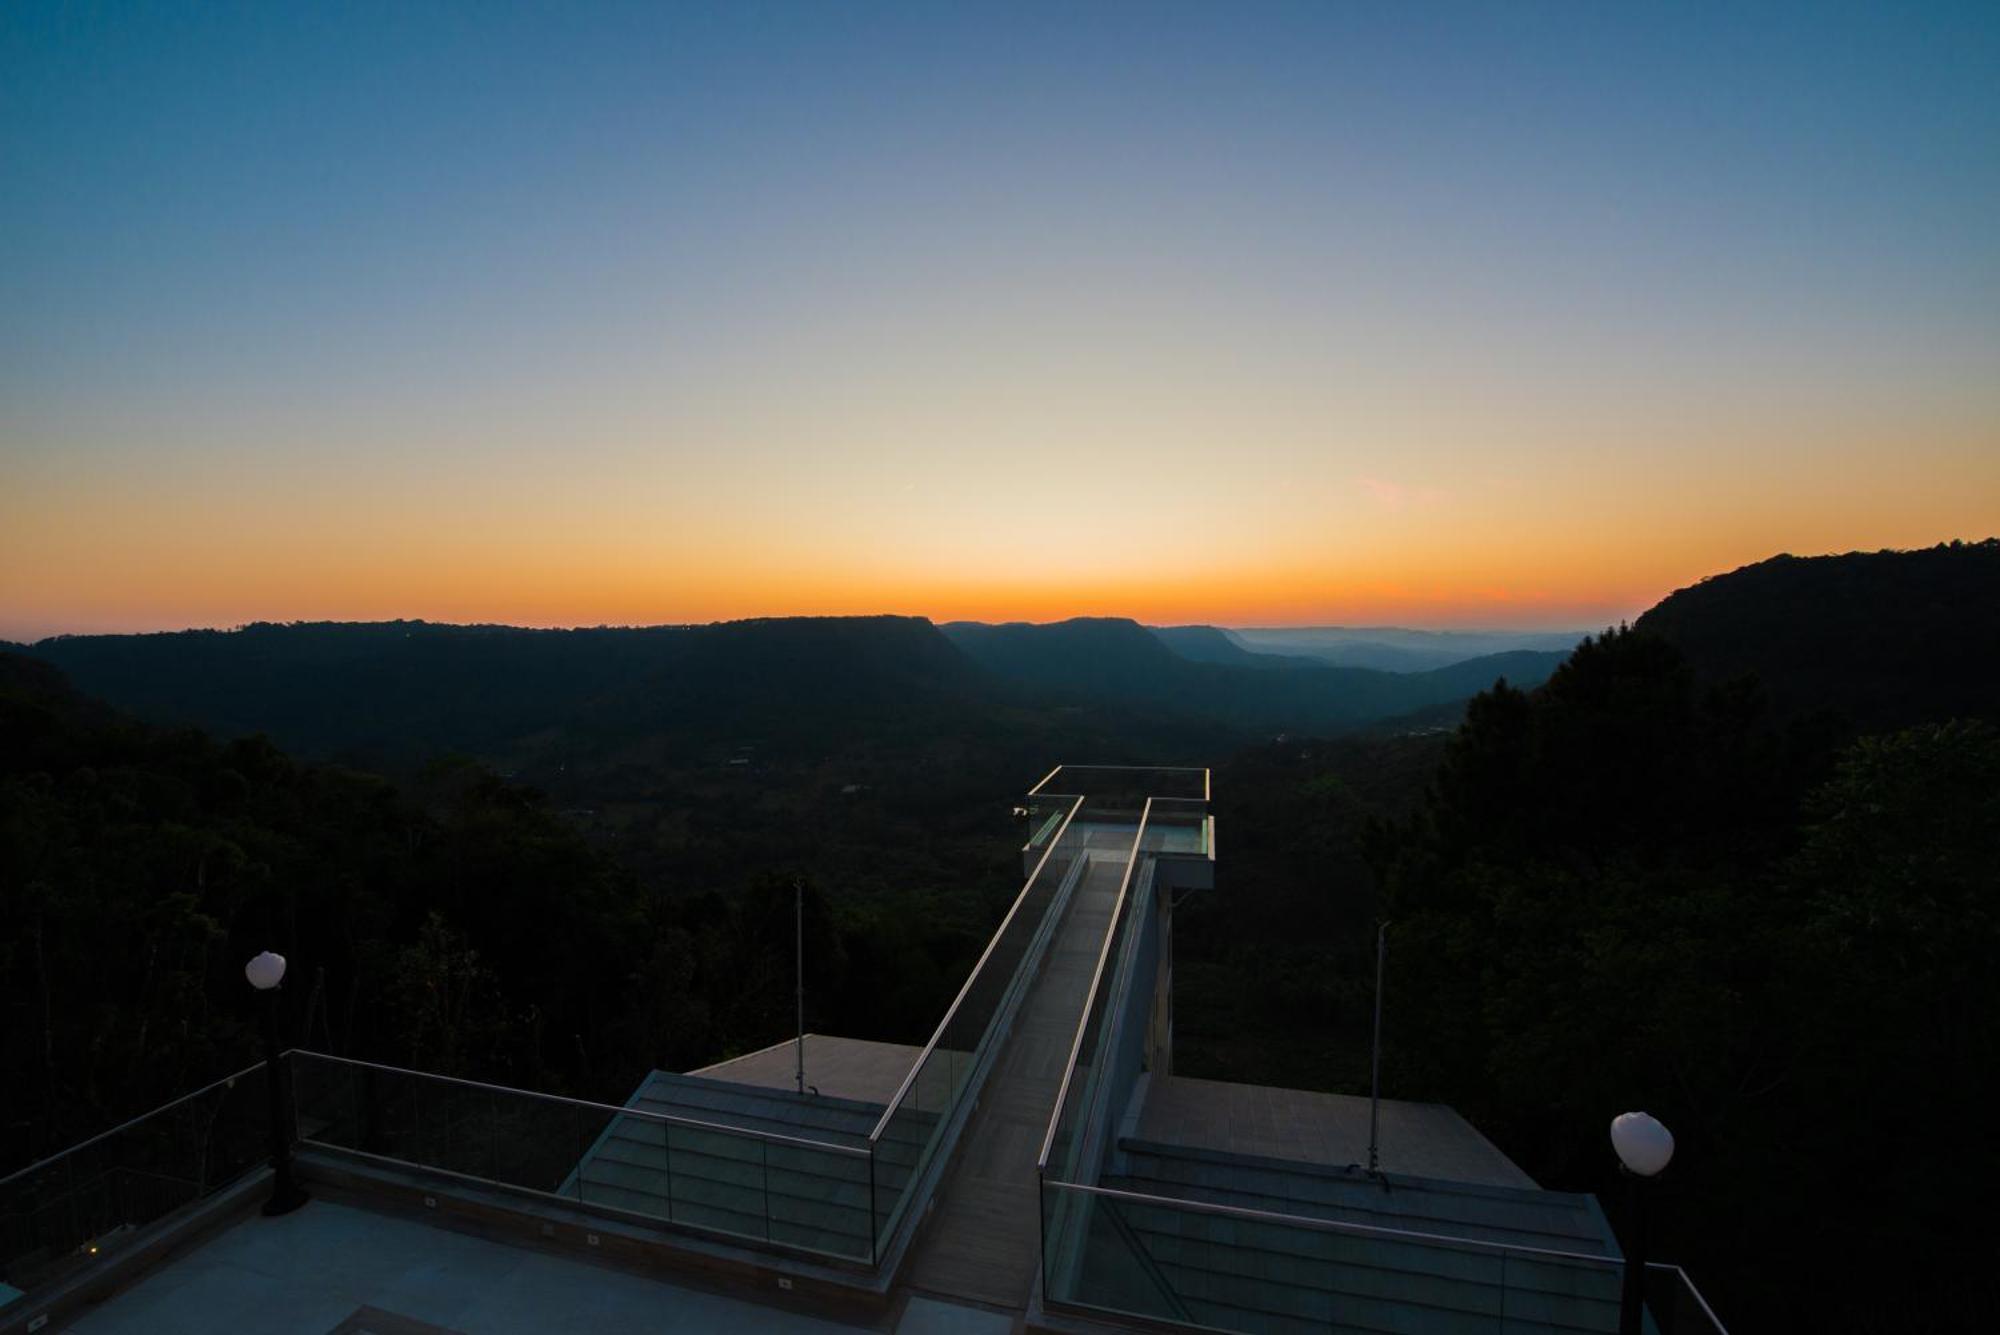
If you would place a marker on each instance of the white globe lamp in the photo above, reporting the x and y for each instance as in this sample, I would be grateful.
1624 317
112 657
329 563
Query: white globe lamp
266 971
1644 1146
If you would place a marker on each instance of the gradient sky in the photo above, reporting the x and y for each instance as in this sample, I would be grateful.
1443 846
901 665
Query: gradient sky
1502 315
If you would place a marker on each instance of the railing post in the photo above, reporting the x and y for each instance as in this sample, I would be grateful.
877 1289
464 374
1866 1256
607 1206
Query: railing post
357 1085
286 1193
874 1233
1042 1228
75 1223
667 1158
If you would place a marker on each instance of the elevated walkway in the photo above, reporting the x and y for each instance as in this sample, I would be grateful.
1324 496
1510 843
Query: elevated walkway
982 1240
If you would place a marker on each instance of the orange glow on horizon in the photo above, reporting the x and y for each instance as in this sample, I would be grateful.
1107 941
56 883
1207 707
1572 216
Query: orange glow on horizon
531 595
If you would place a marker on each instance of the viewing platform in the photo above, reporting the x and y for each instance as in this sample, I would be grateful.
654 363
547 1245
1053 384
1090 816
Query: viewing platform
1036 1163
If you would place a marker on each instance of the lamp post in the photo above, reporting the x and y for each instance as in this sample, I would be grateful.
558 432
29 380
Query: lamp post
1644 1149
265 972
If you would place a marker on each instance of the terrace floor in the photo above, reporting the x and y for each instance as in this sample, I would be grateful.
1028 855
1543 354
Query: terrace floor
1417 1139
841 1068
335 1269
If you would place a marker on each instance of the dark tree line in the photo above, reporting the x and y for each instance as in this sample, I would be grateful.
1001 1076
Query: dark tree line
451 925
1633 889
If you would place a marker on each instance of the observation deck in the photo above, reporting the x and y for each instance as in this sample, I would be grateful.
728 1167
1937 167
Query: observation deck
1036 1160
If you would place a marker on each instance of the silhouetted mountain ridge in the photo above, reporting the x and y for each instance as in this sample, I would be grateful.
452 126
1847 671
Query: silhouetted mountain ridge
1882 639
1108 657
1395 648
411 688
405 690
1213 644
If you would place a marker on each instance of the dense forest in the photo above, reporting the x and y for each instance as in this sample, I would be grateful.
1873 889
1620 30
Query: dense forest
1680 876
452 924
1634 889
1736 864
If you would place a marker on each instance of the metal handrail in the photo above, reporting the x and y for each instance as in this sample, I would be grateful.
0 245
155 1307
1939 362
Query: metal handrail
1342 1226
1097 975
40 1164
642 1114
896 1100
595 1207
1156 769
1694 1292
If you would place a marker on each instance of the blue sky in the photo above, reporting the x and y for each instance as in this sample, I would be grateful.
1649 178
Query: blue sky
1513 314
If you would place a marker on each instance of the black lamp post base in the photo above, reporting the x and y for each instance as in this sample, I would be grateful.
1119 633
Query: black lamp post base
285 1198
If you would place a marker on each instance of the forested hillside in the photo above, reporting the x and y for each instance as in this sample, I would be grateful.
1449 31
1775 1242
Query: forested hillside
538 702
1641 886
452 924
1880 638
1191 676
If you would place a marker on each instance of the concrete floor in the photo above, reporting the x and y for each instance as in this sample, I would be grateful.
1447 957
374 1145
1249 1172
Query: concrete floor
333 1268
1417 1139
841 1068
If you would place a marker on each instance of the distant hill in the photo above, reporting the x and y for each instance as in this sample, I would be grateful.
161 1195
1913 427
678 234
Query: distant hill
1110 657
1394 648
399 692
1880 638
1212 644
1094 655
409 688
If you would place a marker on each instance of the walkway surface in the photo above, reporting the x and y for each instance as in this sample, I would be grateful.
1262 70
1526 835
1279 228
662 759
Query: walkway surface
982 1240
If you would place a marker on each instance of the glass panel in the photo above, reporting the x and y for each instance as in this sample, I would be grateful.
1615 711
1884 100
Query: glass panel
915 1123
1171 1262
1079 1109
1177 826
1126 785
714 1178
819 1199
68 1213
1674 1306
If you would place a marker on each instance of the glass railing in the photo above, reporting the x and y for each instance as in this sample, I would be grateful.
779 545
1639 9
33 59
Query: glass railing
1191 1263
1177 825
794 1192
1674 1306
906 1137
1126 786
85 1205
1062 1143
1045 820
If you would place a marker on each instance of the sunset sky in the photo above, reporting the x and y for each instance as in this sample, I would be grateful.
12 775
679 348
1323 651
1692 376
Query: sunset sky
1503 315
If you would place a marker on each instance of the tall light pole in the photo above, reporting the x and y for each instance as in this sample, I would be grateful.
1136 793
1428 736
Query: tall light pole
265 973
1644 1148
799 971
1375 1059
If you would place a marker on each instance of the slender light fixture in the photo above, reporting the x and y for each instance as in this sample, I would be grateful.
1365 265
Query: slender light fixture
265 973
1645 1148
